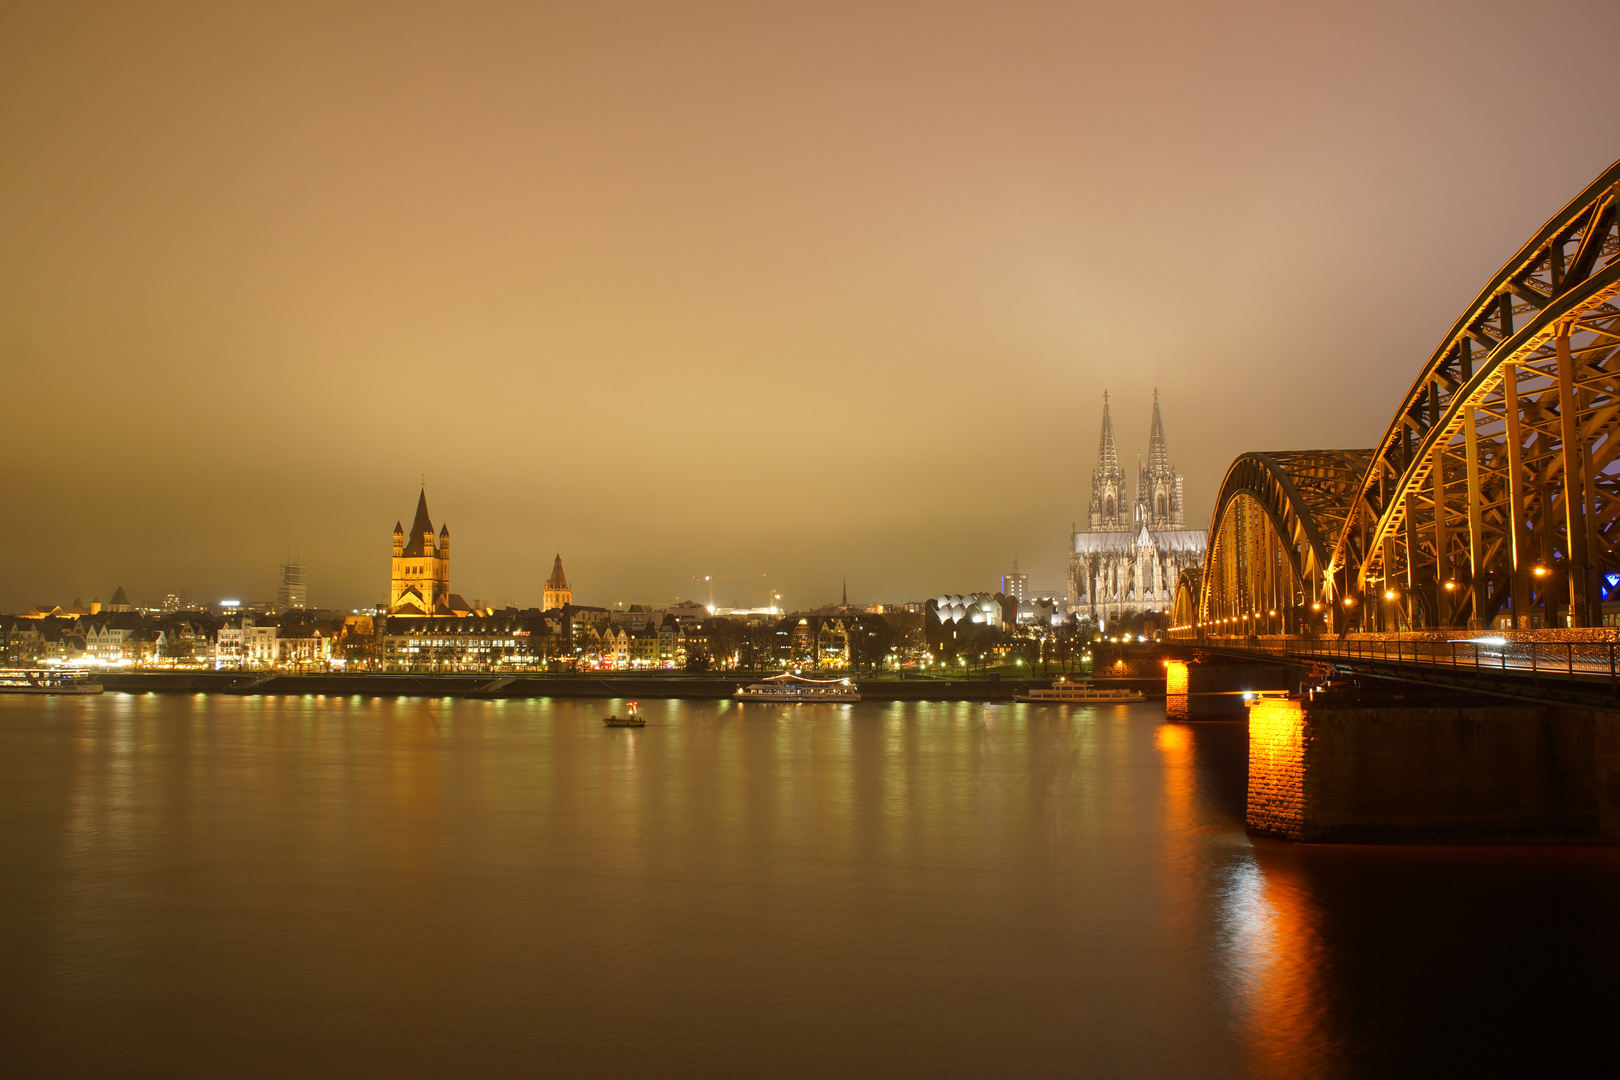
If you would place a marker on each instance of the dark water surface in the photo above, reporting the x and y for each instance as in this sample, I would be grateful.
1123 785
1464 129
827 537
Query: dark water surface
322 887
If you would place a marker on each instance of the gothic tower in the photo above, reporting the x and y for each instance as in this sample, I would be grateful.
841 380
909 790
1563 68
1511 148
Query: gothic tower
421 567
1108 482
1158 485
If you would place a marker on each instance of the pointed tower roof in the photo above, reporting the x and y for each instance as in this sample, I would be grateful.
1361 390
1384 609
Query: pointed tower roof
422 524
1158 455
399 530
119 598
846 592
557 579
1107 456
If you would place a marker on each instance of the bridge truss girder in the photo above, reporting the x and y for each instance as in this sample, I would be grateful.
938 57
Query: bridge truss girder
1270 539
1496 489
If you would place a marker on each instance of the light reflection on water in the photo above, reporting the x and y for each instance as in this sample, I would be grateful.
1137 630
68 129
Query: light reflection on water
332 886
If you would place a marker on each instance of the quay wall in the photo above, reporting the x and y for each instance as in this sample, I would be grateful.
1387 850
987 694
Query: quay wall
1342 772
606 685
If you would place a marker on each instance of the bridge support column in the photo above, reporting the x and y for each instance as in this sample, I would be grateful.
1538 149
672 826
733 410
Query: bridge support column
1476 526
1574 488
1360 772
1519 553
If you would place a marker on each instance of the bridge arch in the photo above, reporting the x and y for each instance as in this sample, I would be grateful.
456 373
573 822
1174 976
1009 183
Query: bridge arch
1271 539
1493 497
1494 494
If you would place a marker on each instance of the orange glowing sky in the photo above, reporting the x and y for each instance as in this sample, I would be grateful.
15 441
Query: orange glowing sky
823 290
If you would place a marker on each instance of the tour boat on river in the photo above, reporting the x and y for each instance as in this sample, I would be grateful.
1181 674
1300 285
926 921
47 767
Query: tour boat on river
1066 691
47 681
796 688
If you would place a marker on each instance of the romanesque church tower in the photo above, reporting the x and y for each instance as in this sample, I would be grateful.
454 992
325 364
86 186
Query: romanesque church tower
421 571
1158 485
1108 482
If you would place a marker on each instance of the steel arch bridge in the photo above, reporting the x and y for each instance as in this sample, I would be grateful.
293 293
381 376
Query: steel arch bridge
1493 498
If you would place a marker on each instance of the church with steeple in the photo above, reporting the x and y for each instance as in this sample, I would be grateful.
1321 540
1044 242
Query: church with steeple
421 568
557 593
1128 560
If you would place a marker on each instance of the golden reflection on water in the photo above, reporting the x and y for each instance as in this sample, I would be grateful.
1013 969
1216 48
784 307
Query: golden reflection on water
1277 969
491 888
1269 956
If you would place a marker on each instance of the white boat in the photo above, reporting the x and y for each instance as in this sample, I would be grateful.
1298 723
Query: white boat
47 681
788 688
1066 690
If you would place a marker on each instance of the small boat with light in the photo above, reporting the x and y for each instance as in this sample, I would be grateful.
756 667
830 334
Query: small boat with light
631 718
1067 691
47 681
791 688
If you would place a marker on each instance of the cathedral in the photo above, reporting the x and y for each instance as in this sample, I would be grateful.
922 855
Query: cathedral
1131 555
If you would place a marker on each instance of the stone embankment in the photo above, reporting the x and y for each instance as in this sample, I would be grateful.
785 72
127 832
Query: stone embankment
605 685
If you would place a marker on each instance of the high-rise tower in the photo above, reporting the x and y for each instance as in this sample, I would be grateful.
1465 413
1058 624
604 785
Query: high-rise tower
292 592
1108 482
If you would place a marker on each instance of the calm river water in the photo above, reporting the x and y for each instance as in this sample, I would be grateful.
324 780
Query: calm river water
324 887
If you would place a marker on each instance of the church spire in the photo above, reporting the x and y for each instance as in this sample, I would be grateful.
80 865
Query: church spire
1108 510
1158 456
1107 456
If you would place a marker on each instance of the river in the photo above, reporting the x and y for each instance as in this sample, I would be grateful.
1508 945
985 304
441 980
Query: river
206 886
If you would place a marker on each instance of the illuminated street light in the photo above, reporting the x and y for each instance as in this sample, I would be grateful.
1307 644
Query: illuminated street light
1389 594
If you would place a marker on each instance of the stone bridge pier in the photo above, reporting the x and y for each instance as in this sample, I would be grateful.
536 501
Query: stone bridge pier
1374 760
1211 687
1418 767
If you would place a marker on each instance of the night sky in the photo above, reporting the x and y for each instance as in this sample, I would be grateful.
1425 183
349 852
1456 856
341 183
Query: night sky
822 291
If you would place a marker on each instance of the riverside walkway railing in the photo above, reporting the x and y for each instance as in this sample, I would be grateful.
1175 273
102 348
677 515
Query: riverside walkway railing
1588 657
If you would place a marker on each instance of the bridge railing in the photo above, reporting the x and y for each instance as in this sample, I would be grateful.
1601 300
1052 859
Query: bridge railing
1588 660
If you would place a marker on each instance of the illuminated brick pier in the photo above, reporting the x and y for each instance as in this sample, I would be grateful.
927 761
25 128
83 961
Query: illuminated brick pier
1348 769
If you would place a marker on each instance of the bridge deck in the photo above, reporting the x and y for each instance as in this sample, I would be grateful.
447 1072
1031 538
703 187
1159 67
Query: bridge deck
1555 667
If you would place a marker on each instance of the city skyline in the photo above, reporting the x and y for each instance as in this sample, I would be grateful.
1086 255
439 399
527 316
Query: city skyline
701 292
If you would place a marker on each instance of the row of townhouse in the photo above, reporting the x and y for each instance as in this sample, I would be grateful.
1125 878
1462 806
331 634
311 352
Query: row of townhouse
513 640
131 640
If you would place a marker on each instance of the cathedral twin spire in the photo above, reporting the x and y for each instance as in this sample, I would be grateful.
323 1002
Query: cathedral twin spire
1158 485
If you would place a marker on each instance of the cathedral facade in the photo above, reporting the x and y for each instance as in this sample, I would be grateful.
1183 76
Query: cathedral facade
1129 558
